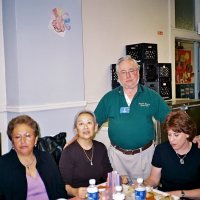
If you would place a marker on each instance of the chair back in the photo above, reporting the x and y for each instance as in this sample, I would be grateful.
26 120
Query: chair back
53 144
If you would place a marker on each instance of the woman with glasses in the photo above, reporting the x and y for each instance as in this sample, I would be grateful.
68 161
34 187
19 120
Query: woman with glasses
25 172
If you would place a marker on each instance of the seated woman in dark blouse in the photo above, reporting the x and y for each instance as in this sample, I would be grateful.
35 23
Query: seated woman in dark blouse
27 173
85 158
176 163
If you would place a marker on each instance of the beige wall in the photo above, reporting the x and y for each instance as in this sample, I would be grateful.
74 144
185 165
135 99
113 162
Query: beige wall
110 25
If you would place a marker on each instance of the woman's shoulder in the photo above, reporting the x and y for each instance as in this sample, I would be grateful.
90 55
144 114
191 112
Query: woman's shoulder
163 146
8 156
99 144
194 153
44 158
195 148
8 161
42 154
71 148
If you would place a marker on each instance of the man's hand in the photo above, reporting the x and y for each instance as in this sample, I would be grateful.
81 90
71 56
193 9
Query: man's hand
71 141
197 140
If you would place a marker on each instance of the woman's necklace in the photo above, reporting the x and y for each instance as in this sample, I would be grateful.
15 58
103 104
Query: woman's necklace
181 159
90 159
30 164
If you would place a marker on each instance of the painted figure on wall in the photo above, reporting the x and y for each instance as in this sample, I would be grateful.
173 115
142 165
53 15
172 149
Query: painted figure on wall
60 22
184 68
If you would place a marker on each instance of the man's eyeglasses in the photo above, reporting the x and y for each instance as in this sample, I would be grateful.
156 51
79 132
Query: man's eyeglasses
129 72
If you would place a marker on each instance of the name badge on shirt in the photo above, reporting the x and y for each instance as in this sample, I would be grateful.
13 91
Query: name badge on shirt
124 109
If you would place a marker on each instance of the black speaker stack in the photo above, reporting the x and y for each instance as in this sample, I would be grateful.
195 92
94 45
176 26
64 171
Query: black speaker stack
154 75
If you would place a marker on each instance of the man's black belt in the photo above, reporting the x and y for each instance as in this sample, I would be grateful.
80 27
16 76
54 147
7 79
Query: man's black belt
133 151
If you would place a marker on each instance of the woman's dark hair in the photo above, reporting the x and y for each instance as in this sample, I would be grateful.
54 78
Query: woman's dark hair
22 119
179 121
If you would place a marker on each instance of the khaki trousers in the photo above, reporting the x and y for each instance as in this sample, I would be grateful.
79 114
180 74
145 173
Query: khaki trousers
133 166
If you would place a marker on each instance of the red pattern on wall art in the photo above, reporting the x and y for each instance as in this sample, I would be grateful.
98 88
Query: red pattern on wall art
184 68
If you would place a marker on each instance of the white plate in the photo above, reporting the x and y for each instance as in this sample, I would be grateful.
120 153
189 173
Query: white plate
165 194
160 192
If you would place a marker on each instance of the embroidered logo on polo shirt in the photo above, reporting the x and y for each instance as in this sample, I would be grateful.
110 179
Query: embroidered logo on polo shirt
144 104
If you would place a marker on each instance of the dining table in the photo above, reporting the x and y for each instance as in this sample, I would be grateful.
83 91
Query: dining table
105 193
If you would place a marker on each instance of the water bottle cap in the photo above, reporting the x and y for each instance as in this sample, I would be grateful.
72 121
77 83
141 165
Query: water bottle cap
140 180
92 181
118 188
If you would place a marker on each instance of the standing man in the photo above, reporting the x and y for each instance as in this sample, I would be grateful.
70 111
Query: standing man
129 110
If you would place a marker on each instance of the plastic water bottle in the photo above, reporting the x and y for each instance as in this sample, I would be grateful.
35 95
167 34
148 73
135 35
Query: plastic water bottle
92 190
118 195
140 190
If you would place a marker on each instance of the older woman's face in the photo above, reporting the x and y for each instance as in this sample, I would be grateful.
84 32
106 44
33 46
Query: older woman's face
23 139
177 140
86 126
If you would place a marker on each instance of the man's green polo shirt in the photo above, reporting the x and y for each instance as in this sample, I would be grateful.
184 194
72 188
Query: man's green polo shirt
131 127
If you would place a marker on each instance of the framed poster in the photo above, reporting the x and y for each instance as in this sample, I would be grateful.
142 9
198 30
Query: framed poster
184 74
184 68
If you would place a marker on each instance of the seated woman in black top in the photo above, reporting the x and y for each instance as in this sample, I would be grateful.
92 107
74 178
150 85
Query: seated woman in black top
176 163
26 172
85 158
